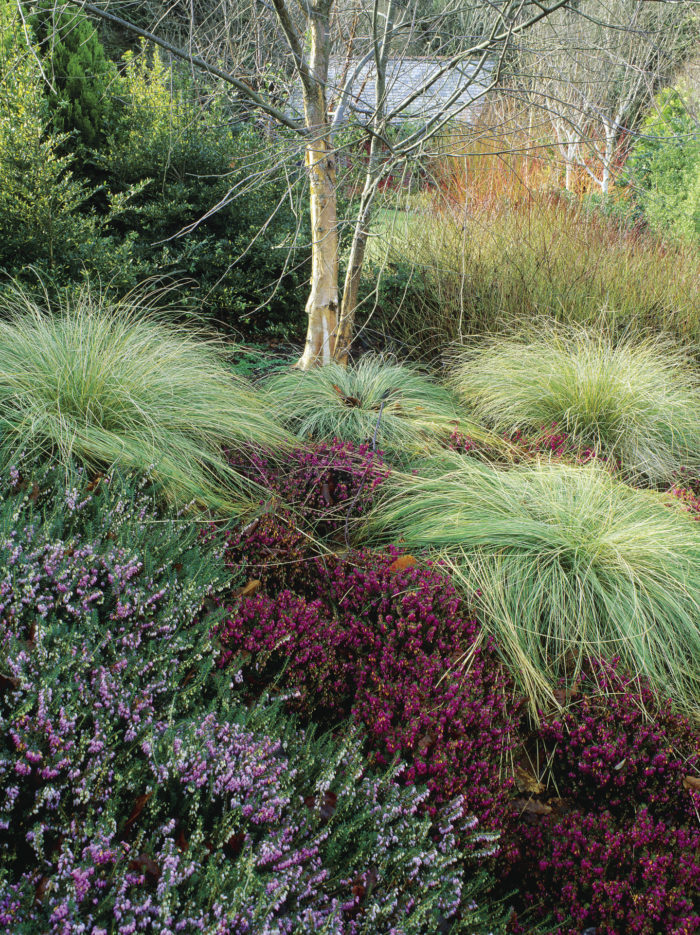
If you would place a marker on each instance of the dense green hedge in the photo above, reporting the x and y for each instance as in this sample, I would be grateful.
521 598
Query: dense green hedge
102 177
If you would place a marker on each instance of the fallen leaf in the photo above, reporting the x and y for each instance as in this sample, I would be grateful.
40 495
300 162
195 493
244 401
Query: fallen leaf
692 782
327 805
233 847
95 482
526 782
139 806
426 743
327 493
188 677
252 587
251 527
40 890
147 866
403 562
8 681
533 807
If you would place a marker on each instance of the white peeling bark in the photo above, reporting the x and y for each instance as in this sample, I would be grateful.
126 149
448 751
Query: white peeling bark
322 303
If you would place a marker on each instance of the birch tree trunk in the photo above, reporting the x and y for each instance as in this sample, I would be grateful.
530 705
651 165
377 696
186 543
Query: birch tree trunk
304 28
322 303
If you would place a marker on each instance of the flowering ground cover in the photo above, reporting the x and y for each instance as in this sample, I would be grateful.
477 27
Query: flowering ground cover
140 793
271 727
383 636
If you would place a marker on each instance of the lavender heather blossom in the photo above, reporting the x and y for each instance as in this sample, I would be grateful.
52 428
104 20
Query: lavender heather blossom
139 794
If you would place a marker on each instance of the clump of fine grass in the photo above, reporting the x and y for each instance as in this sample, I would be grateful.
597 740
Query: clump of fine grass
461 268
567 563
635 402
345 402
103 385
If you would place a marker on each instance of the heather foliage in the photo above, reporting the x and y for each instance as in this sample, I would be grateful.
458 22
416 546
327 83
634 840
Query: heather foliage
569 563
389 642
344 402
618 849
639 876
616 746
636 403
326 484
324 492
105 385
138 794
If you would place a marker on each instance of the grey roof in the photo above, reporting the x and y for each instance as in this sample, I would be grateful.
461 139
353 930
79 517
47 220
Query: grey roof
404 76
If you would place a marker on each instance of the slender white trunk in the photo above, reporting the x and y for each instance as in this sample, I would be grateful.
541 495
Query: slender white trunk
354 273
322 303
610 139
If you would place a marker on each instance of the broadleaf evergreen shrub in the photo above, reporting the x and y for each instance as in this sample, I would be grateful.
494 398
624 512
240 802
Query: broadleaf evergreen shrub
663 167
244 255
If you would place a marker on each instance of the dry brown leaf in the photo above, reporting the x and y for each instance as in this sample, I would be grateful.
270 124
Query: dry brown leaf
533 807
403 562
692 782
252 587
526 782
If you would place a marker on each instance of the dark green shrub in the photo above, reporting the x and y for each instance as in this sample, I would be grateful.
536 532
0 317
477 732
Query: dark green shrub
241 261
80 72
46 217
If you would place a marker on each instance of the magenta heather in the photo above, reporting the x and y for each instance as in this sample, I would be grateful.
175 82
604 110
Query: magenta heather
619 852
388 645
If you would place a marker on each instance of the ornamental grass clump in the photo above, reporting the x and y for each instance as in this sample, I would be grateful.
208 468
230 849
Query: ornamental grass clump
139 792
635 403
567 563
345 402
103 385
